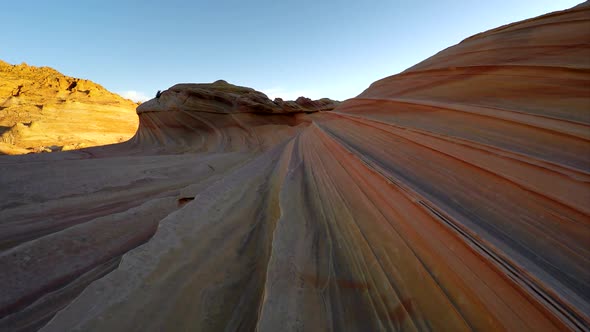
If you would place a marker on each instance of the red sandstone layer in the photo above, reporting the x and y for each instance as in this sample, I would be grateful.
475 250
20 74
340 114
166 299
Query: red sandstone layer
452 196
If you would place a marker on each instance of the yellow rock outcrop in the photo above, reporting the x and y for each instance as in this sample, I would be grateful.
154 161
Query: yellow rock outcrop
42 110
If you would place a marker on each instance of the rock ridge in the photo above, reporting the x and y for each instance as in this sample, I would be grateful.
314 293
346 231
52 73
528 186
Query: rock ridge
225 98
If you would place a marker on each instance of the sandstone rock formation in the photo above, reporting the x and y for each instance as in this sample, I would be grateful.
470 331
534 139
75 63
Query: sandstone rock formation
453 196
43 110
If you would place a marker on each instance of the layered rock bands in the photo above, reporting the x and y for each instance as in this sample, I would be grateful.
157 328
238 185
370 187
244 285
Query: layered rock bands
452 196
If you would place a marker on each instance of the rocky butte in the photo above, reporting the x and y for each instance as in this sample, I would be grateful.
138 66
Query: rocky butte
42 110
452 196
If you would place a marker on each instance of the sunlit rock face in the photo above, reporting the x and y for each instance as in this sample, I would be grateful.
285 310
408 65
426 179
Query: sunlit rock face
42 110
453 196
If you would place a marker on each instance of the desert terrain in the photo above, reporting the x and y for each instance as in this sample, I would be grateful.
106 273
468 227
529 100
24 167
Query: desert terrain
453 196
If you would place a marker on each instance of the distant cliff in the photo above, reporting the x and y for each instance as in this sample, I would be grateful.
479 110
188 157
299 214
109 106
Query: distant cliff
44 110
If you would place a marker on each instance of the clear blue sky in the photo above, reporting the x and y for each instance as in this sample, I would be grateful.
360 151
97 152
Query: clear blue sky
286 48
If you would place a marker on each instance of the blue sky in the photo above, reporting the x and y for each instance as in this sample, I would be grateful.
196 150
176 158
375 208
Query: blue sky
287 48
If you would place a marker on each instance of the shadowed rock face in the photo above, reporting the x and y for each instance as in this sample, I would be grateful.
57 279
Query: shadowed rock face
42 110
453 196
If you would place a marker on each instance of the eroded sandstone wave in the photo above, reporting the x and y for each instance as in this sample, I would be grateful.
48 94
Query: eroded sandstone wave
452 196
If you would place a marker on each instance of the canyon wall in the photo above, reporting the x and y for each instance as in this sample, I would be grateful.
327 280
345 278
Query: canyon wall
451 196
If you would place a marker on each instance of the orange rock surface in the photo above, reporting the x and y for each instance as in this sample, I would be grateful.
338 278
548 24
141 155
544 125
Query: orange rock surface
42 110
453 196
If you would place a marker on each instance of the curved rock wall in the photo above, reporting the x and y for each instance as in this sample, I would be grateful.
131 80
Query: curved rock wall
452 196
